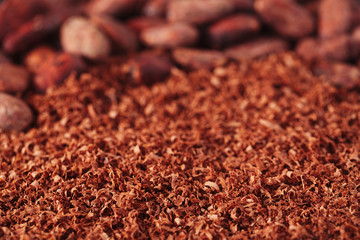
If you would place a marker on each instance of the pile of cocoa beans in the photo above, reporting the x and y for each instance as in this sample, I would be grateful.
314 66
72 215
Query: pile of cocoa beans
44 41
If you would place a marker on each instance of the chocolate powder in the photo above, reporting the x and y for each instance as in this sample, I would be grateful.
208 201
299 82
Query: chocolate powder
250 150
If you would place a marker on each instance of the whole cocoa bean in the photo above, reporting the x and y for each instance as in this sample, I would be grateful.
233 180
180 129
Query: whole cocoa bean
355 42
339 74
312 6
198 59
14 13
243 4
14 113
32 32
38 57
232 29
155 8
308 48
54 72
112 7
197 12
257 48
62 4
334 17
140 23
355 16
13 78
287 17
170 35
337 48
148 68
123 38
80 36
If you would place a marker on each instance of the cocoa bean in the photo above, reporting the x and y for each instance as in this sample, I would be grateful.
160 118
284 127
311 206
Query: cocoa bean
155 8
334 17
355 42
14 13
339 74
198 59
287 17
140 23
65 4
13 78
355 16
147 68
38 57
15 115
307 48
256 48
122 37
79 36
32 32
312 6
243 4
232 29
54 72
337 48
112 7
170 35
197 12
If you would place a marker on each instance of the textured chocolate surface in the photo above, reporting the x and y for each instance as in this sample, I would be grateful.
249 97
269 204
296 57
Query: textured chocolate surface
252 150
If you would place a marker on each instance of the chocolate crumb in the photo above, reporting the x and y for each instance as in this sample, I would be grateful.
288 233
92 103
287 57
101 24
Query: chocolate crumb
268 152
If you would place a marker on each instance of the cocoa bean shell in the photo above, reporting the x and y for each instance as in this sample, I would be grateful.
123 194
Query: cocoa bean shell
170 35
80 36
13 78
14 113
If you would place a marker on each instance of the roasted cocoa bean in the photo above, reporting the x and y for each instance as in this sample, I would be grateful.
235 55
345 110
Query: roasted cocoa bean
15 115
14 13
38 57
170 35
334 17
13 78
197 12
54 72
257 48
147 68
80 36
155 8
339 74
232 29
312 7
140 23
355 42
337 48
355 13
32 32
286 16
112 7
198 59
243 4
122 37
307 48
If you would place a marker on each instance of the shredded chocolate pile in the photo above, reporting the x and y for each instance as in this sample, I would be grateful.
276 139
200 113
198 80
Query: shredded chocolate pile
251 150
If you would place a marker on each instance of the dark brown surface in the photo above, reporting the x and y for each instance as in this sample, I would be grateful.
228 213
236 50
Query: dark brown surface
261 150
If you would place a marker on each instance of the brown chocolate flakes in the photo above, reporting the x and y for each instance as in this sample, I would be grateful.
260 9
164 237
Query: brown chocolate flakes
251 150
